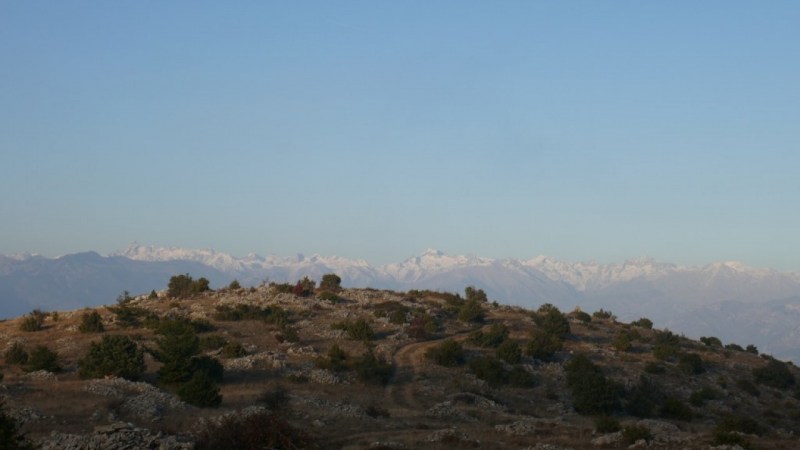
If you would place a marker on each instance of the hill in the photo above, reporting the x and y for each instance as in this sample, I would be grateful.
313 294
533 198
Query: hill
365 368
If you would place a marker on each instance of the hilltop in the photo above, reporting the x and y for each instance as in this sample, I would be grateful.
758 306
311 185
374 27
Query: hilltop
366 368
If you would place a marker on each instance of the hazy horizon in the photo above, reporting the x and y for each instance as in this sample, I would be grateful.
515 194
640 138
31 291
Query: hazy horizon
578 130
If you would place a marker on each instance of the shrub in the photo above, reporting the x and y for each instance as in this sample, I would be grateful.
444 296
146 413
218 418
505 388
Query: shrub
330 282
672 408
543 345
496 335
397 317
606 424
233 350
582 316
42 358
775 374
153 295
422 326
33 321
748 386
711 341
735 347
201 390
337 360
551 320
471 312
519 377
654 368
602 314
644 322
118 356
377 412
449 353
509 352
666 345
182 286
212 342
11 438
125 314
91 322
623 341
592 393
176 348
234 285
489 369
751 349
329 296
643 398
372 369
698 398
304 287
691 363
269 314
275 399
633 433
740 424
16 354
254 432
475 295
209 365
360 330
282 288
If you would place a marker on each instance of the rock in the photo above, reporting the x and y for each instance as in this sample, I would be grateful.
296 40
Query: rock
140 399
607 439
641 443
519 428
446 433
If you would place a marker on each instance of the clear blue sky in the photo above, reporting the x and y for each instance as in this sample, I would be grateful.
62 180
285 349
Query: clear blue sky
376 129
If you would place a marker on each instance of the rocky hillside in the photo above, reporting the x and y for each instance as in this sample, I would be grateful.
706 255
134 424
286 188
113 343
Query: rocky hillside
303 367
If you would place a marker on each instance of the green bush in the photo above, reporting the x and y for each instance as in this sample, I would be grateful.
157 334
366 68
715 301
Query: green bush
275 399
698 398
331 282
673 408
665 345
711 341
371 369
490 370
471 294
606 424
449 353
602 314
177 346
691 363
212 342
117 356
16 354
42 358
201 390
233 350
496 335
740 424
282 288
329 296
775 374
182 286
234 285
622 341
543 345
582 316
748 386
592 392
471 312
519 377
644 322
360 330
337 360
269 314
551 320
509 352
33 321
11 438
654 368
422 326
208 365
127 315
304 287
91 322
257 431
751 349
644 397
735 347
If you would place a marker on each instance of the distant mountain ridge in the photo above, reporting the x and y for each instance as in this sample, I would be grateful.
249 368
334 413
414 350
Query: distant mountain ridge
738 303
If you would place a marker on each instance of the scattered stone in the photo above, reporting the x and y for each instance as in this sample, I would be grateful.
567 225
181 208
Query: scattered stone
140 399
42 375
118 435
607 439
519 428
323 376
446 410
446 434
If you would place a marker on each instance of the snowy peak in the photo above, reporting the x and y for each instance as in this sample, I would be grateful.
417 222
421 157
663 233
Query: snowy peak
429 263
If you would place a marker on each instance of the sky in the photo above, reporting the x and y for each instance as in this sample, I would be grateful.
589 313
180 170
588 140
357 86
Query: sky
581 130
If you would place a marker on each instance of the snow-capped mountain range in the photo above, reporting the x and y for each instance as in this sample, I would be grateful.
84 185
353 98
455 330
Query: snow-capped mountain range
726 299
